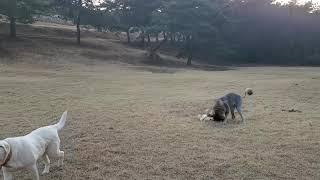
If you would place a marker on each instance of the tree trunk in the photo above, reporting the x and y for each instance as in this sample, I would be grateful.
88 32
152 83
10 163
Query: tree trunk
153 51
157 47
128 36
179 38
171 38
13 32
143 39
12 14
189 59
164 35
78 22
189 49
149 40
78 31
99 28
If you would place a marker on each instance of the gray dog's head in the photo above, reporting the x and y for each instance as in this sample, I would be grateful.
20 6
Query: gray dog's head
219 110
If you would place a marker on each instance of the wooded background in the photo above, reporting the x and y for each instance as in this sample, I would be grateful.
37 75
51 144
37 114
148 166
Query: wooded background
213 31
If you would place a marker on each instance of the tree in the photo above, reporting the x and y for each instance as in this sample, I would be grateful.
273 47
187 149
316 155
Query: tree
122 12
79 8
22 11
194 20
131 14
259 31
83 12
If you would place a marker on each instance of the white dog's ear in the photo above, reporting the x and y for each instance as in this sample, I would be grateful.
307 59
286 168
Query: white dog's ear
3 154
5 146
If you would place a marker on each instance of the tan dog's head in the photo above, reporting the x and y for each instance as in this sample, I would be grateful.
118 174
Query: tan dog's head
4 151
219 110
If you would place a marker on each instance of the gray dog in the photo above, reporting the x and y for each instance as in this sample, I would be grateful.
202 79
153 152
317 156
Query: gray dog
227 103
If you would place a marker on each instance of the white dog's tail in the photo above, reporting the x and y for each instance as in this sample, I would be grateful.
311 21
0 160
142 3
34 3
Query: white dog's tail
62 121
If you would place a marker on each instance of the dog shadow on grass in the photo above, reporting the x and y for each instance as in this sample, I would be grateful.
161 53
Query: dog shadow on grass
229 123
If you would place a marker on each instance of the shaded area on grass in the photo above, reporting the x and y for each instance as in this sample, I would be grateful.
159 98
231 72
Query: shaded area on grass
94 47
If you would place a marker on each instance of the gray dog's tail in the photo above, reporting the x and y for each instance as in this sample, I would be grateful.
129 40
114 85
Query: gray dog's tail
62 121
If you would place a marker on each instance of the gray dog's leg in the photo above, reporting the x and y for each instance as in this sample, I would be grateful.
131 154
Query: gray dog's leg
226 115
227 112
232 112
240 112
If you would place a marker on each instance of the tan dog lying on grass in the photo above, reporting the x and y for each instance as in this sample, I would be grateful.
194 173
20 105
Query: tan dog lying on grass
224 105
24 152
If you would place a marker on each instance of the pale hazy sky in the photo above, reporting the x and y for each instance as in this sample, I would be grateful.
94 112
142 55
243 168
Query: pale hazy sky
283 1
96 1
300 1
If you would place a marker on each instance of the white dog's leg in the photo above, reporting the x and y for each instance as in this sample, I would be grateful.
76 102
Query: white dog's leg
46 163
61 158
34 168
6 175
54 151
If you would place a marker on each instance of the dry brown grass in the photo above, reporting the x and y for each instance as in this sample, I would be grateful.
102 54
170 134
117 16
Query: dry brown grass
136 123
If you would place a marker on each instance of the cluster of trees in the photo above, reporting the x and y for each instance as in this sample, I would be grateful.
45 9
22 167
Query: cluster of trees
241 31
21 10
266 33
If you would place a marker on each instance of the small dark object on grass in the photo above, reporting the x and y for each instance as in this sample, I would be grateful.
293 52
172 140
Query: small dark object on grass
292 110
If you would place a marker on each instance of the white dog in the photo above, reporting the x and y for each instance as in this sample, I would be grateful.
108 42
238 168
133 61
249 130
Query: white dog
24 152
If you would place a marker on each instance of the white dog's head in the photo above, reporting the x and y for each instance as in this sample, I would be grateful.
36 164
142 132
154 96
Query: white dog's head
4 152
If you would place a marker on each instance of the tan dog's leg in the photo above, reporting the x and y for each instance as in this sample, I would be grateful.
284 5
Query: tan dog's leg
46 163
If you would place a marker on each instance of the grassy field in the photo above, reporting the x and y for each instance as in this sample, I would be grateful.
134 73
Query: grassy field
132 121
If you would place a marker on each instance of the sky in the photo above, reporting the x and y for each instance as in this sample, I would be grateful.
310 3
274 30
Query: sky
282 1
96 1
300 1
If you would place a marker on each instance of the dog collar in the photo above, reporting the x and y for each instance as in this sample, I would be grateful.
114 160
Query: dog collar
6 160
